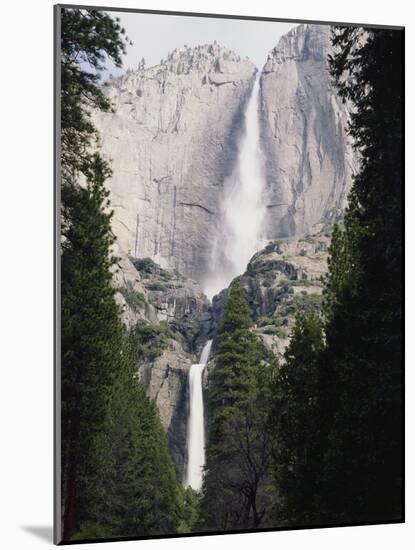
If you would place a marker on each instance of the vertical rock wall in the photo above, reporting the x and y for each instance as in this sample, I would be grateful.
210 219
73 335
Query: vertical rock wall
172 139
308 157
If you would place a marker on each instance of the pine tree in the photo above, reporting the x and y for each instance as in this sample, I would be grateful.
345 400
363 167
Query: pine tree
117 475
142 496
192 519
361 478
237 478
294 417
237 356
139 494
339 276
88 37
91 342
91 331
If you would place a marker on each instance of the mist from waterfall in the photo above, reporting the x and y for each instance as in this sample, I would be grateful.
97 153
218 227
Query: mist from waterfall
196 424
238 236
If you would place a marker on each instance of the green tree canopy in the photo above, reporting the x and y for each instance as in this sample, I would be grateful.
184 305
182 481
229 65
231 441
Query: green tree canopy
88 38
361 478
237 490
118 478
295 418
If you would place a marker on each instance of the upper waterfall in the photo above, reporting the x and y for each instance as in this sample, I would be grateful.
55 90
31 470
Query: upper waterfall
183 140
239 232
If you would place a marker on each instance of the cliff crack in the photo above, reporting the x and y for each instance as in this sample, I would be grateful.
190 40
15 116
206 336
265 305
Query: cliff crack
191 204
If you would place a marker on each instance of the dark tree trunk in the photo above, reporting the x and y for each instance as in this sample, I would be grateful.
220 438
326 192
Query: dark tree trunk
70 512
256 516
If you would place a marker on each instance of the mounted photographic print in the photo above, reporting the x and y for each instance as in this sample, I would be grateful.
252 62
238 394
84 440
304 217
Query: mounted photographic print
229 274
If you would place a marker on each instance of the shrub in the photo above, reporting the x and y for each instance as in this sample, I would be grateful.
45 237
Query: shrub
281 332
268 278
135 300
147 266
152 339
263 321
308 302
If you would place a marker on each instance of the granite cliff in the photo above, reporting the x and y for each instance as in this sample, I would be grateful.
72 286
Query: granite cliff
309 159
172 138
174 134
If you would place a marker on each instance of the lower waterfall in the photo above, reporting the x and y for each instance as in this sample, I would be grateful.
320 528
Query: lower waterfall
196 425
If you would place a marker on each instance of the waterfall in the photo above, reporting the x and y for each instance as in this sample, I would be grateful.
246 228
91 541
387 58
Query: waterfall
237 239
239 232
196 425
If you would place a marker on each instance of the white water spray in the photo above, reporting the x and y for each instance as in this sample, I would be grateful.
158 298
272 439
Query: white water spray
239 234
196 426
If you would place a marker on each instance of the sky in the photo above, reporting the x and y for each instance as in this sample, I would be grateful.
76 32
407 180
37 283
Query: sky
155 35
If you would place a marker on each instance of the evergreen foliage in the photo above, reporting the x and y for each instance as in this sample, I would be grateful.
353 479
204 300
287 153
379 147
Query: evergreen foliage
237 492
237 356
295 416
91 341
152 340
338 400
361 478
118 478
192 519
88 38
142 494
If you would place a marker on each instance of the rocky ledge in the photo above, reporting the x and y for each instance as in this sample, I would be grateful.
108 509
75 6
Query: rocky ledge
281 280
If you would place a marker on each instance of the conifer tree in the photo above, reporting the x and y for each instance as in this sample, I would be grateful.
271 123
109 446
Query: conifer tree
338 405
117 475
295 418
237 478
144 496
339 276
138 493
361 478
237 356
88 37
91 342
91 331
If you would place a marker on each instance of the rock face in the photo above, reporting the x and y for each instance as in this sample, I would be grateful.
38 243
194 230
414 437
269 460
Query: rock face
166 382
178 301
172 318
308 157
282 279
172 139
127 280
